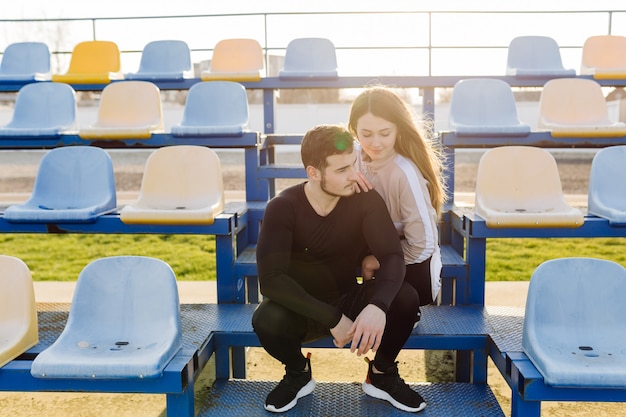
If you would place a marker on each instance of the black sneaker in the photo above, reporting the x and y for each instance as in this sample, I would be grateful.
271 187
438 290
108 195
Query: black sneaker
390 387
294 385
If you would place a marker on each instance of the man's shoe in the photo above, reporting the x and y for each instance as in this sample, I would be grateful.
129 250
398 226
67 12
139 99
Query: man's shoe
294 385
390 387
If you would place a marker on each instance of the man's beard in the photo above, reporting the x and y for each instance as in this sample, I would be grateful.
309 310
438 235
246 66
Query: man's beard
334 194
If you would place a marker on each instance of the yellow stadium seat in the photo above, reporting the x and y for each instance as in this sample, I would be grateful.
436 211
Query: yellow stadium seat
128 109
520 186
181 185
93 62
235 60
18 311
604 57
576 107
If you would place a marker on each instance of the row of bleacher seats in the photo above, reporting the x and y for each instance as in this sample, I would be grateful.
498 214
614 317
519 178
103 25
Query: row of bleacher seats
568 107
98 62
180 185
128 109
242 59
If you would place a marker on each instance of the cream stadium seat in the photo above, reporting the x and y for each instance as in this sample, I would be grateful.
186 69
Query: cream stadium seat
181 185
604 57
520 186
237 59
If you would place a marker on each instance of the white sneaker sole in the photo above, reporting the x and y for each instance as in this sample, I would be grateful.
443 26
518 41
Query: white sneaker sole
374 392
304 391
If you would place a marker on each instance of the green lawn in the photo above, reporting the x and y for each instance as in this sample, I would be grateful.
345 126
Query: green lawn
53 257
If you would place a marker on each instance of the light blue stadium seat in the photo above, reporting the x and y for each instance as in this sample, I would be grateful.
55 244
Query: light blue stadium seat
218 108
607 198
124 322
74 184
485 107
25 61
536 56
574 329
307 58
45 109
164 60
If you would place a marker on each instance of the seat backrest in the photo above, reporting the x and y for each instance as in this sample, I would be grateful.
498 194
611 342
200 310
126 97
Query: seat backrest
74 177
44 105
310 58
574 319
606 180
603 53
184 176
218 104
483 103
165 57
572 101
240 57
130 104
25 58
514 177
93 57
18 311
127 299
535 56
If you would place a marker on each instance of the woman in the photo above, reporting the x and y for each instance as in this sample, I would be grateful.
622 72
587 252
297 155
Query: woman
404 166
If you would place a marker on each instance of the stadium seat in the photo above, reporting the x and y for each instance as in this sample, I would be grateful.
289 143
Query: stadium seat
535 56
164 60
235 60
25 61
127 109
520 186
307 58
576 107
42 109
604 57
74 184
485 107
18 311
124 322
574 330
181 185
606 181
93 62
214 108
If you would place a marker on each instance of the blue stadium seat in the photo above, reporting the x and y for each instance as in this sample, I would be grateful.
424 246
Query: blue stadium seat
42 109
307 58
25 61
74 184
574 329
124 322
606 183
217 108
164 60
18 311
485 107
536 56
181 185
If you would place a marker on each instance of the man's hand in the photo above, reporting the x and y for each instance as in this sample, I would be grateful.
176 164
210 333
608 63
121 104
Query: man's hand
362 184
368 330
369 265
342 332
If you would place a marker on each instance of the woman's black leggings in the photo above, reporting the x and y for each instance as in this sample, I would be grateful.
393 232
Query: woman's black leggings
282 332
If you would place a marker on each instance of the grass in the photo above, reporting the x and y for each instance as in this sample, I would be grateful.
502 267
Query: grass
54 257
61 257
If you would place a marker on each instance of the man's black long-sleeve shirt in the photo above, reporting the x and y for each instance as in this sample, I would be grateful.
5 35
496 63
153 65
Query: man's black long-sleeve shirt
306 262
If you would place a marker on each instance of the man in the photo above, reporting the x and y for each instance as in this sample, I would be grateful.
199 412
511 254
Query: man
312 240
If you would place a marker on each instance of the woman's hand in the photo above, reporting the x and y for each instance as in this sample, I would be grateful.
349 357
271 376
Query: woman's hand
369 265
362 183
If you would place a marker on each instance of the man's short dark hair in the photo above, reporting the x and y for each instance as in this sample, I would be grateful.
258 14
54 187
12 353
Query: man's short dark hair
323 141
